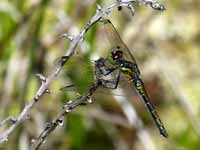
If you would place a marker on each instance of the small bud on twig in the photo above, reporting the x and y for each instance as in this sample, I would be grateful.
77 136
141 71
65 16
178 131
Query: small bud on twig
33 141
48 91
99 8
41 77
36 98
68 106
101 20
89 100
68 36
61 121
158 6
130 7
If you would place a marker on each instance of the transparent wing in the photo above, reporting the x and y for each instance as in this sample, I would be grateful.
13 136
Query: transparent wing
109 76
116 41
106 73
75 59
128 58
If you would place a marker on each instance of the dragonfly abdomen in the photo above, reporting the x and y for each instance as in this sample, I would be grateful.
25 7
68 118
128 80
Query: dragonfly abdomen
139 85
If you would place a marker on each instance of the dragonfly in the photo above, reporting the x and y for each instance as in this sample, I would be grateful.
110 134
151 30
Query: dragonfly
120 59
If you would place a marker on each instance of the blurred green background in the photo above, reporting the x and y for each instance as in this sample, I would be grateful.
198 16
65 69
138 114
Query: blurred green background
166 47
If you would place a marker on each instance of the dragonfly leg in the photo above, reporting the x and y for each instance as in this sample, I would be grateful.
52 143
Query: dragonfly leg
110 70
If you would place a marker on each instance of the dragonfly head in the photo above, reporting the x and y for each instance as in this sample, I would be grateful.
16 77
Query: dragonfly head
117 54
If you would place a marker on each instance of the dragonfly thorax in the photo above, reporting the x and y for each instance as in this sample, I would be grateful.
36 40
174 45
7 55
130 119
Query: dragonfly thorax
125 66
128 67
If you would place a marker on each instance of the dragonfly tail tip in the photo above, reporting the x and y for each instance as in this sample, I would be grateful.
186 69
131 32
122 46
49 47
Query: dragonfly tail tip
164 134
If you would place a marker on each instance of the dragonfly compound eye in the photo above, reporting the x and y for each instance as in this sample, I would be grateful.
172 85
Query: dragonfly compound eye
117 54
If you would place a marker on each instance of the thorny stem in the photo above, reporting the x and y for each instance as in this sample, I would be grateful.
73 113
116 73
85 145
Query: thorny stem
74 43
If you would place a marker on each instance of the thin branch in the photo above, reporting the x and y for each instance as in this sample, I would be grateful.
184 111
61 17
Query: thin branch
58 121
74 43
9 118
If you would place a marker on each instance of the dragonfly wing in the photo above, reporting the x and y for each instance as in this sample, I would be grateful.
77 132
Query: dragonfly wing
106 73
116 41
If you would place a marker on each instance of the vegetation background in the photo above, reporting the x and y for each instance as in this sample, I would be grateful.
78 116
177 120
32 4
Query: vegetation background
166 46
